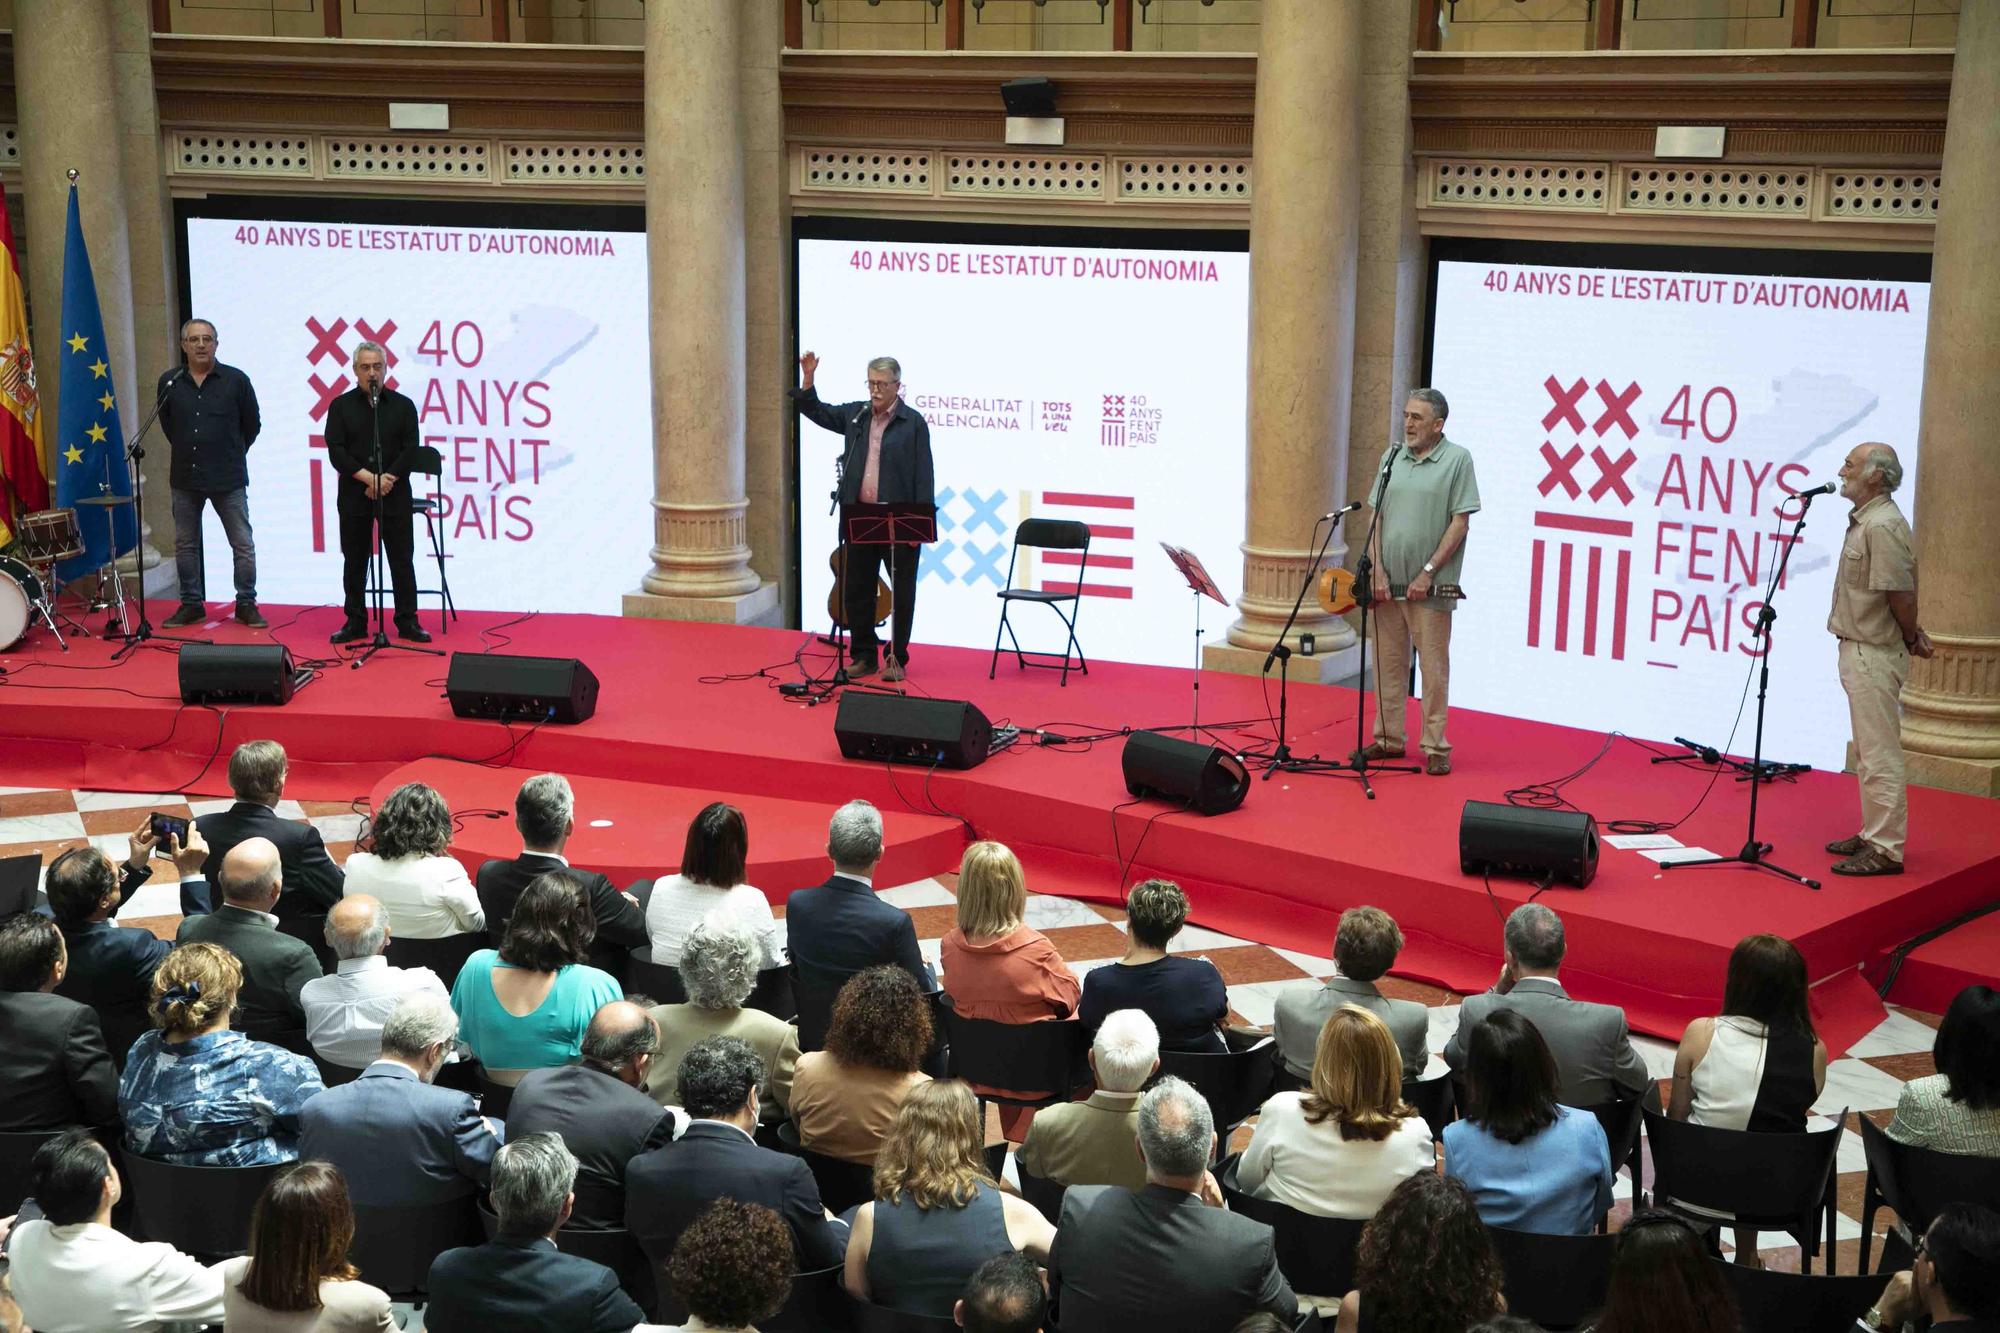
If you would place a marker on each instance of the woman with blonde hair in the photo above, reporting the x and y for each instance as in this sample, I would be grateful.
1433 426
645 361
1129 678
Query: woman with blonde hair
195 1093
1340 1146
296 1278
937 1214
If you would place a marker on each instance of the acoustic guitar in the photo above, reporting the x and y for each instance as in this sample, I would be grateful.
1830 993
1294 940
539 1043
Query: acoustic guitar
883 596
1337 596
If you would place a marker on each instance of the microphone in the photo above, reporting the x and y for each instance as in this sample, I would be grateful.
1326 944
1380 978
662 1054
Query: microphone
1347 508
1827 489
1707 753
168 383
375 393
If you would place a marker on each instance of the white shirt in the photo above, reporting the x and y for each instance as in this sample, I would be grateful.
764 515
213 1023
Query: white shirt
87 1278
1311 1168
426 897
678 904
345 1011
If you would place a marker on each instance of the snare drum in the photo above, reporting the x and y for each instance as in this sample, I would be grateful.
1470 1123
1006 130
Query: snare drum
50 535
20 590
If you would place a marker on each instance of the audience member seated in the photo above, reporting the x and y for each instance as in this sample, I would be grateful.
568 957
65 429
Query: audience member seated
1662 1282
410 871
710 882
1954 1281
598 1109
841 927
71 1272
718 970
1365 946
257 771
1595 1059
732 1267
1168 1256
111 966
667 1188
276 967
526 1005
519 1282
196 1093
1006 1295
937 1213
1183 996
845 1097
296 1278
1424 1262
545 815
53 1063
345 1011
1957 1109
401 1141
1090 1142
1532 1164
1338 1148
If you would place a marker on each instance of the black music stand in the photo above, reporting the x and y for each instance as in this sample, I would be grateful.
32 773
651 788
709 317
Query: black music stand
909 524
1201 585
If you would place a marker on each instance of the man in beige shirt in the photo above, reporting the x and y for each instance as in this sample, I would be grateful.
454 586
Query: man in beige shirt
1094 1142
1875 618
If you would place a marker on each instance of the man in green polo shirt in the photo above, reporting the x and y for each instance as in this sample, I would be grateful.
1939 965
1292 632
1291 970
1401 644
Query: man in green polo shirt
1419 546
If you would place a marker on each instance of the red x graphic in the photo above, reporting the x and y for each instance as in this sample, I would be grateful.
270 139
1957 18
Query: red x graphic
1611 474
326 341
1616 411
1559 469
327 392
1565 403
382 336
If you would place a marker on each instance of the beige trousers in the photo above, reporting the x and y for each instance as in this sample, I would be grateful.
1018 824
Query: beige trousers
1873 676
1397 626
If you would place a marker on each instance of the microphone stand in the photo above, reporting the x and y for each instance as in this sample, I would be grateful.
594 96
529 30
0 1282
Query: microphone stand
1754 852
135 453
1281 758
381 639
1358 762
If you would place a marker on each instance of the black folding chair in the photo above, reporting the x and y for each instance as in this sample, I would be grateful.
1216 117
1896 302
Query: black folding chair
394 1247
1045 1194
1764 1182
1769 1301
1916 1184
1557 1281
1058 590
203 1211
1316 1254
773 993
818 1304
1235 1084
658 980
1621 1121
17 1153
1044 1061
442 956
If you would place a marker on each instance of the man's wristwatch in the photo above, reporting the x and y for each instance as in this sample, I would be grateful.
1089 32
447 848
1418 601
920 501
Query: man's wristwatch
1430 568
1874 1319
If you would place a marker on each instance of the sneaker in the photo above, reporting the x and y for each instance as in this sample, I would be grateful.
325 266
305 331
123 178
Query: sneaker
1437 765
1868 861
191 613
861 668
348 633
892 671
248 614
411 630
1853 846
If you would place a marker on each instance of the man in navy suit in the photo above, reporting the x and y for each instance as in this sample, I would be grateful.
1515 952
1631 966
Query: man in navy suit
841 927
53 1063
885 459
545 814
519 1282
313 883
667 1188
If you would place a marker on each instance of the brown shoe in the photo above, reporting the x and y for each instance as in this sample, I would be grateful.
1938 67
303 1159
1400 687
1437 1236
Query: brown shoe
1437 765
892 671
1868 862
861 668
1853 846
1375 750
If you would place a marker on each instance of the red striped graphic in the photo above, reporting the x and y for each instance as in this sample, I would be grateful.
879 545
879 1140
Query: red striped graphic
1110 533
1562 598
1592 579
1089 589
1618 607
1609 527
1080 499
1110 553
1535 593
1096 561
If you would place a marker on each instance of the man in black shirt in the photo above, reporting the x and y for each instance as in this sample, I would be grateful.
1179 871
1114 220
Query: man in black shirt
352 427
208 412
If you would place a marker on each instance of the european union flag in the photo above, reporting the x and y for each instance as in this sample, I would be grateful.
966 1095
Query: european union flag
89 446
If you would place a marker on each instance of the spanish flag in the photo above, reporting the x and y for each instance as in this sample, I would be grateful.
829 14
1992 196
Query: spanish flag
24 469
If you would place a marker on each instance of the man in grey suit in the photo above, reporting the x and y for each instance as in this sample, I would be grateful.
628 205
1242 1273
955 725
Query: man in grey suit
1364 947
1168 1256
276 967
1595 1059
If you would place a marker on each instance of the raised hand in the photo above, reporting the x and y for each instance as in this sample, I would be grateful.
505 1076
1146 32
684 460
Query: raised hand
808 365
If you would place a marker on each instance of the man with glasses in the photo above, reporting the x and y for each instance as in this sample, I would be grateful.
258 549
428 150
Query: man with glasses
886 460
208 412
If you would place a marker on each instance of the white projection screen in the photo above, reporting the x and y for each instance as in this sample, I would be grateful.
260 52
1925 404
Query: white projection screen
1061 380
524 348
1635 433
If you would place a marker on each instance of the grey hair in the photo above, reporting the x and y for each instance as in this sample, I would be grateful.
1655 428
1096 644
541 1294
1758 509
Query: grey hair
1882 461
532 1179
719 963
413 821
205 323
363 943
419 1021
374 347
1126 1047
1534 935
716 1075
1176 1129
1435 399
854 837
889 364
618 1047
542 809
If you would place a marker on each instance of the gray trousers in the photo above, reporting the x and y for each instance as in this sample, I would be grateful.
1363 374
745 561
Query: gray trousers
233 508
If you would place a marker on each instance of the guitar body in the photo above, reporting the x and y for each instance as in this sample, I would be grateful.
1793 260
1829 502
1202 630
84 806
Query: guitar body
838 612
1337 591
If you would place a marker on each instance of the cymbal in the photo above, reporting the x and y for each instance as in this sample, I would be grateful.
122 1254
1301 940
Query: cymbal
104 501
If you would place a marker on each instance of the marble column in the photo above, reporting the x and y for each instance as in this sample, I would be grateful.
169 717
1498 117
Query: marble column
767 270
1304 215
1951 703
695 252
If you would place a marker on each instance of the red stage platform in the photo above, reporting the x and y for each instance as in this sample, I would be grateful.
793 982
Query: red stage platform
1279 870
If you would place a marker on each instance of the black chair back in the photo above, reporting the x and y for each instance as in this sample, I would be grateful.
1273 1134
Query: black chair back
1316 1254
333 1075
814 1000
872 1318
122 1027
394 1247
1768 1301
773 993
494 1098
1917 1183
658 980
1235 1084
17 1153
1620 1121
1045 1194
444 957
1052 534
617 1250
842 1184
1044 1060
311 929
818 1304
200 1210
1769 1182
1434 1102
1557 1281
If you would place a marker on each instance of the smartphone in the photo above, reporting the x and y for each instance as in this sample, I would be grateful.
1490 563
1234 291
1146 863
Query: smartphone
165 826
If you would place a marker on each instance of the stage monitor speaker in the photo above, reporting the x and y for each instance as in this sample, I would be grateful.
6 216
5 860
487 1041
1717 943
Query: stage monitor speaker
1557 845
903 729
1207 778
1032 96
237 673
509 688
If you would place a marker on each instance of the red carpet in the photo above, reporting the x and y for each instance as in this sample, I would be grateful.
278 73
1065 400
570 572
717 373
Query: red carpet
1935 972
1279 870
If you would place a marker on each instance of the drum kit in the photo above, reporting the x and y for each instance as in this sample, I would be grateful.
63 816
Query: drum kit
28 577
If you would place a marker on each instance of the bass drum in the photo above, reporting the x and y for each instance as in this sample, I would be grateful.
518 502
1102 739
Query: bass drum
20 590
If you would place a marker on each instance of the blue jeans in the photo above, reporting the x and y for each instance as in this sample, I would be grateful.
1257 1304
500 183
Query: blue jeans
233 508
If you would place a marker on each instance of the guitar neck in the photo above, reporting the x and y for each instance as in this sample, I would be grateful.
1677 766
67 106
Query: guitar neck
1449 592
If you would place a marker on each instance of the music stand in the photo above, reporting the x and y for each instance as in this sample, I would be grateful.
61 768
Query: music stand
908 523
1201 585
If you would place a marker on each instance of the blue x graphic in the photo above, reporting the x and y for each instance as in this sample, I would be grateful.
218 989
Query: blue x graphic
944 498
933 562
985 563
985 509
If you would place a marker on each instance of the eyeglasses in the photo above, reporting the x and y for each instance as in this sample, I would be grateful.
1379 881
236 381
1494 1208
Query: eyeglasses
883 384
199 340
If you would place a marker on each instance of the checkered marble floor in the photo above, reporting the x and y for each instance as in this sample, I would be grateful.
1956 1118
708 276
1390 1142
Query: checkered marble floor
1866 1081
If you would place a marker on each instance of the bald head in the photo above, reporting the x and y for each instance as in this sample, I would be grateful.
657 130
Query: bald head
1870 469
250 874
621 1040
357 927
